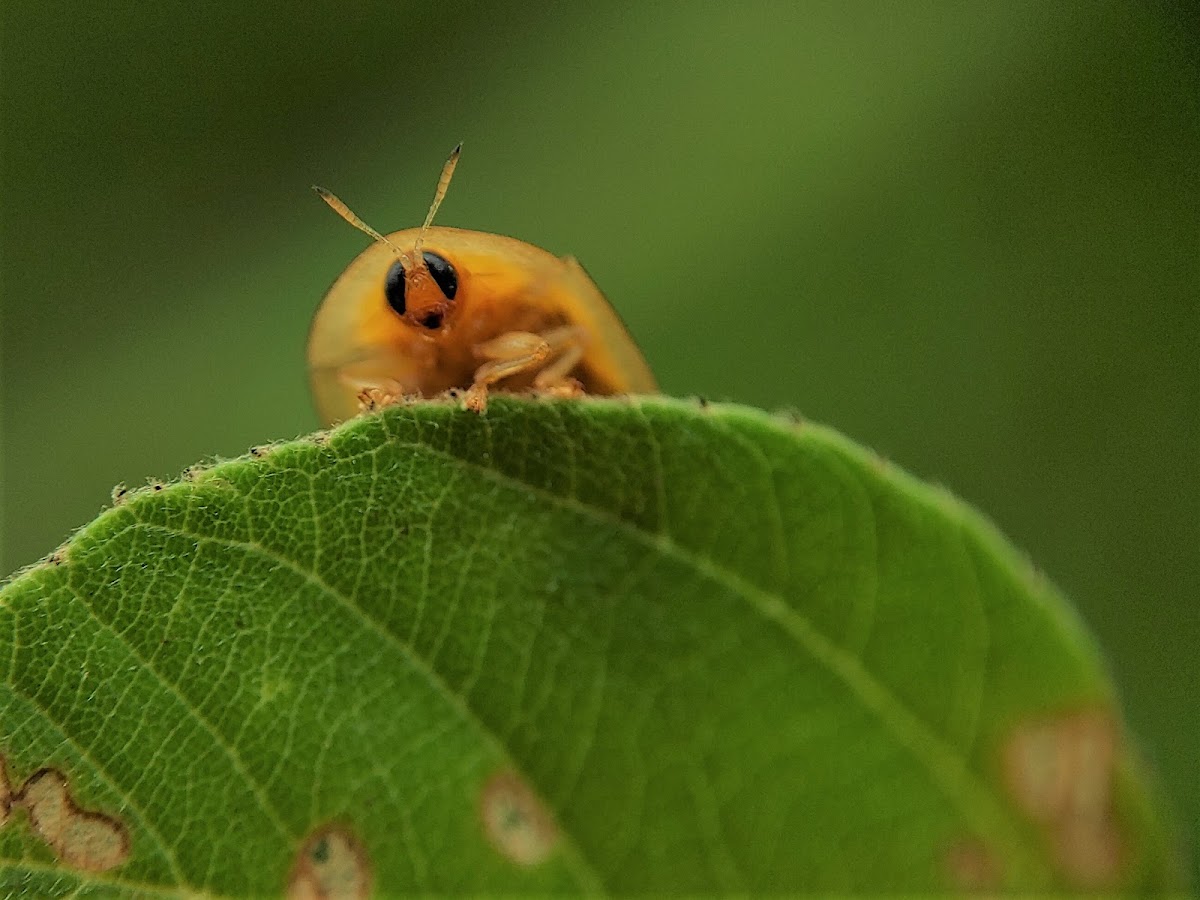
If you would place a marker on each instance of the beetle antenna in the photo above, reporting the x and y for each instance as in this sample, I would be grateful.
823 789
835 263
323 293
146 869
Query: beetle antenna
443 183
344 211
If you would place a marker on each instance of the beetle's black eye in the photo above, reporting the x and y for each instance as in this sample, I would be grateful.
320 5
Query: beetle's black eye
443 273
393 287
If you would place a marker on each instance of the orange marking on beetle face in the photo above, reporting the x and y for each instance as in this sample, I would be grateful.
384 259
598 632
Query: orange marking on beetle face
410 313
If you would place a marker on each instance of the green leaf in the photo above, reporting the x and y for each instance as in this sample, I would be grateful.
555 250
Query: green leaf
577 646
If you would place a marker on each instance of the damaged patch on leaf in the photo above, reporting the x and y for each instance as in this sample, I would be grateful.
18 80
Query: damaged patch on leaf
516 821
81 839
331 865
1060 772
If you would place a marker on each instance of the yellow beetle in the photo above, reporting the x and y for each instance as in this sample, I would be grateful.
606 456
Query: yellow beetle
433 309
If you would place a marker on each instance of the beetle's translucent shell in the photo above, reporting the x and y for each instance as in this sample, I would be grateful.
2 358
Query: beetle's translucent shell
505 286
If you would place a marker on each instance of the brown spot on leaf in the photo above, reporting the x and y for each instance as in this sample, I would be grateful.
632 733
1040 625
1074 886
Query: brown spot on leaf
972 866
516 821
331 865
1090 851
1060 772
119 494
80 838
1061 767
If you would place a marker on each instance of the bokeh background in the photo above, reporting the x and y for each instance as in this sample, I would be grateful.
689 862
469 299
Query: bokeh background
965 234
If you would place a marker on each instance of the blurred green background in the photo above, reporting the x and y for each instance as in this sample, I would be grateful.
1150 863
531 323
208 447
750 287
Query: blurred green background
965 234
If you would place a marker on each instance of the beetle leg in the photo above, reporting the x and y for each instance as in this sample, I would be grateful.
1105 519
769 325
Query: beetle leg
513 345
373 392
520 351
371 399
568 342
554 376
